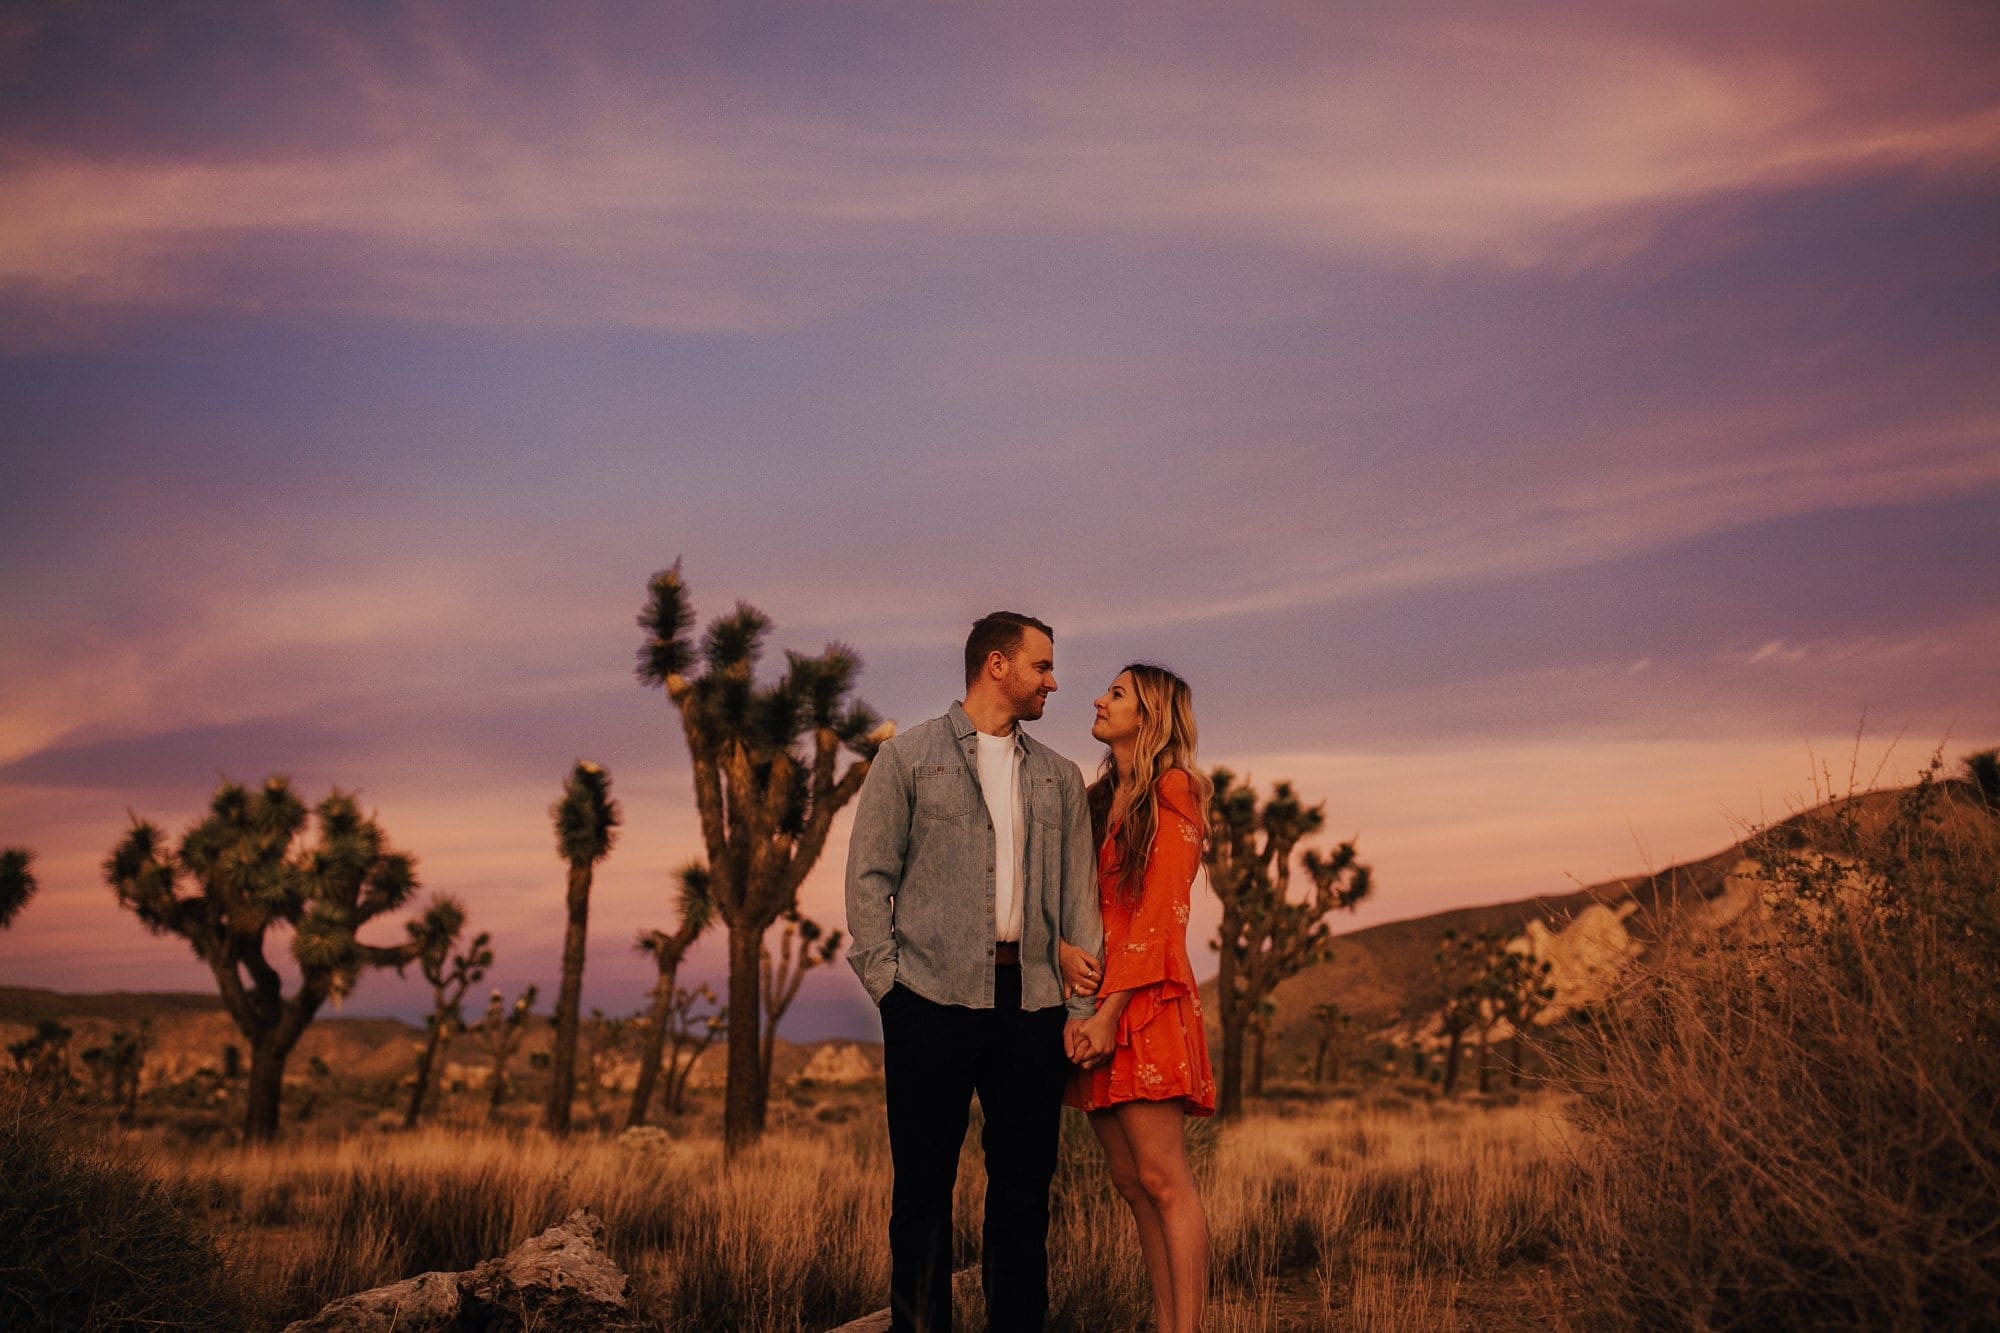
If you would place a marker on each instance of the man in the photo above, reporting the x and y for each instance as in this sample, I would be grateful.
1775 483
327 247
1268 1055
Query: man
971 860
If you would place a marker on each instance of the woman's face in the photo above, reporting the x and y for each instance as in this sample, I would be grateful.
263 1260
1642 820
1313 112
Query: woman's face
1117 712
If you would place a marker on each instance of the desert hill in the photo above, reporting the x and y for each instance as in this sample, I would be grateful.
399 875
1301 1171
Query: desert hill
1383 975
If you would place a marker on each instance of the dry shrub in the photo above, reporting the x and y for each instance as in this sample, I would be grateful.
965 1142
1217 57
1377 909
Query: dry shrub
1798 1128
87 1242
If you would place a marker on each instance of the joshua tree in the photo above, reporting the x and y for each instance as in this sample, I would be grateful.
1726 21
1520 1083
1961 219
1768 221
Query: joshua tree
585 819
1518 988
17 883
668 950
248 867
1460 967
689 1035
1266 935
1336 1030
117 1065
500 1033
766 784
802 946
450 975
43 1059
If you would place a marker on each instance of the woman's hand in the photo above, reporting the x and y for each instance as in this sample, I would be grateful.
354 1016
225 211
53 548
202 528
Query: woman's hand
1081 973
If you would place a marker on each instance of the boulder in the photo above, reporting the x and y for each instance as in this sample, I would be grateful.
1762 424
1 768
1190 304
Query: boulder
559 1280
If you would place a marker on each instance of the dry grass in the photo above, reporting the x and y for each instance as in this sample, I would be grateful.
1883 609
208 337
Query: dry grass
1335 1215
1802 1129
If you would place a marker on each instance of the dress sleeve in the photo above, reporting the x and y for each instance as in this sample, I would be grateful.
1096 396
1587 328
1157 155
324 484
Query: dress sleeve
1153 961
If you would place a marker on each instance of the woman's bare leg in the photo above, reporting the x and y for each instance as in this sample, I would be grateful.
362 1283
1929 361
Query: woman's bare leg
1153 1136
1118 1156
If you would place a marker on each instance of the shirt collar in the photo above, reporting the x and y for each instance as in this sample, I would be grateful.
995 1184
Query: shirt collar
961 725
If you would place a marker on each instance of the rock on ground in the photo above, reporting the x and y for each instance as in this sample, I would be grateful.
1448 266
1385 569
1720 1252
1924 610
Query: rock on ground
559 1280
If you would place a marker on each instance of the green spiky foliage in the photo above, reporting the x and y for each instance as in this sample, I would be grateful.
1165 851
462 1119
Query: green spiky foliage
586 823
17 883
1266 934
803 944
767 784
451 972
695 910
259 861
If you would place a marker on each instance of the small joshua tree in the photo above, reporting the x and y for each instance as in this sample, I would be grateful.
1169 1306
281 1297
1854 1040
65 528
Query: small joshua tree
667 950
500 1032
116 1066
803 945
691 1030
246 867
767 783
450 975
1266 935
585 818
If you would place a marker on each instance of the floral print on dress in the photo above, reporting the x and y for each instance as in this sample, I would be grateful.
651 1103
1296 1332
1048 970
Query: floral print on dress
1162 1050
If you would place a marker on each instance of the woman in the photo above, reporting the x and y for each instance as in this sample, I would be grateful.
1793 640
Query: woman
1148 811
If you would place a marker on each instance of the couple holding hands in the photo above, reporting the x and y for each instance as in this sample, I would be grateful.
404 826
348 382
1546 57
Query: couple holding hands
1025 938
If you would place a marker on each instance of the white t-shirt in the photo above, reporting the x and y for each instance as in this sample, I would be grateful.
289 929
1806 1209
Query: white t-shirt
999 781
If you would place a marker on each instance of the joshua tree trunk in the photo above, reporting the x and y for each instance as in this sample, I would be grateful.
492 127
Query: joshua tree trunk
743 1108
264 1095
1514 1057
562 1061
496 1090
1451 1047
1485 1062
425 1063
1229 1006
652 1049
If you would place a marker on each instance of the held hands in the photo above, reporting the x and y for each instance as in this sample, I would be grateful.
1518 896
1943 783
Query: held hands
1089 1042
1081 972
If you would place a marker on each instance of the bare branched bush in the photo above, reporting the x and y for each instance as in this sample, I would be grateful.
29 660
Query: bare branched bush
1795 1126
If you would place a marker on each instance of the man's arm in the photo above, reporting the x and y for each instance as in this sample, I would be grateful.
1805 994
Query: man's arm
1082 925
875 852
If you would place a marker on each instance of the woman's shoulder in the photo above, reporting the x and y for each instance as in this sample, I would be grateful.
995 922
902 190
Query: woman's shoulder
1176 787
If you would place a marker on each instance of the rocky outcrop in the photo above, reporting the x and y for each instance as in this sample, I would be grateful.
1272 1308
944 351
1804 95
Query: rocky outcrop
839 1063
559 1280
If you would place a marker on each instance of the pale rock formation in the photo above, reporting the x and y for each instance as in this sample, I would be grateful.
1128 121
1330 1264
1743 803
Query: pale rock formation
1586 957
840 1063
557 1281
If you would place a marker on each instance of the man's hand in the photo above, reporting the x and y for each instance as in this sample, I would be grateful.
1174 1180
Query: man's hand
1081 973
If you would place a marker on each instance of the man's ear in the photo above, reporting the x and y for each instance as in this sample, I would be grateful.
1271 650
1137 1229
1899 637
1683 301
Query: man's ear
996 664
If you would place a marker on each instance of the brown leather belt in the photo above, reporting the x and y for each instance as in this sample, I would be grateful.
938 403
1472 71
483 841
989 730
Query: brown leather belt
1007 953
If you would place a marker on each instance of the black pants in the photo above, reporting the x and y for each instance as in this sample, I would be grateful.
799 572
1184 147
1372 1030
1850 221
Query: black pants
935 1057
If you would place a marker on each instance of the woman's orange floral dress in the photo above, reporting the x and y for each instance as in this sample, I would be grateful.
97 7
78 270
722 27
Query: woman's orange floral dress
1162 1052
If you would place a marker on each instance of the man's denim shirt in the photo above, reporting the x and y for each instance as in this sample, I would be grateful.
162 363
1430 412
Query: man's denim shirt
920 869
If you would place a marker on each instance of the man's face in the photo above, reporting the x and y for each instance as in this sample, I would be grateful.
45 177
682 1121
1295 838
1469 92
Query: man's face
1031 675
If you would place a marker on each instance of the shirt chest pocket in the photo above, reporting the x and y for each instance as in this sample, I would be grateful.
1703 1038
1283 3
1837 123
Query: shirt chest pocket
1045 802
943 791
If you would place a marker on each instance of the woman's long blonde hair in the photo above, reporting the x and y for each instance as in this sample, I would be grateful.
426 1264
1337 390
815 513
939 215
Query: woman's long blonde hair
1166 741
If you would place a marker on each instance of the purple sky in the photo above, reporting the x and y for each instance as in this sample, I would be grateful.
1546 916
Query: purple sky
1546 433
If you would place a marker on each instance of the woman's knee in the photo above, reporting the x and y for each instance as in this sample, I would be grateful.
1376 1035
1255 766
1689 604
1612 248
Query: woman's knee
1163 1182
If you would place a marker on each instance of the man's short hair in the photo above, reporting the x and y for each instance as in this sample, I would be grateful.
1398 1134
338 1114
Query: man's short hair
997 632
